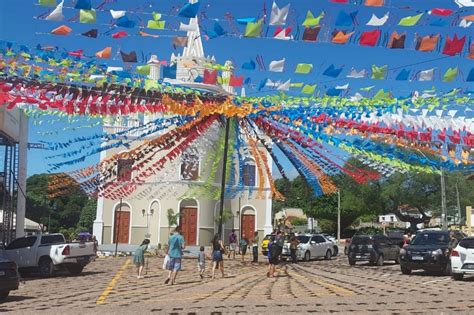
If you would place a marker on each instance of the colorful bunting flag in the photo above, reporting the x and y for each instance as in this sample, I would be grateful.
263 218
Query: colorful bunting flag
217 31
403 75
119 34
426 75
249 65
277 65
369 38
450 74
130 57
57 13
441 12
254 29
311 34
311 20
410 20
376 21
236 81
340 37
278 16
143 70
374 3
87 16
309 89
426 43
156 25
117 14
332 71
345 19
83 4
397 41
47 3
210 77
91 33
189 10
304 68
104 53
62 30
454 46
354 74
378 73
125 22
470 76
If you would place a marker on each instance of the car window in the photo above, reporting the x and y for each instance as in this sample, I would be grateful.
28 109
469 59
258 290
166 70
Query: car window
22 242
303 239
467 243
430 239
52 239
319 239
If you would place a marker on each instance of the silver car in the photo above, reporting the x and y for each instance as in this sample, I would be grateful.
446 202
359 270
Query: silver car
311 246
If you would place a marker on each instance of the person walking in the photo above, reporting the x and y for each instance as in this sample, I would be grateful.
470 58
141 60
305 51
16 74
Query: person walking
232 244
280 240
293 247
201 262
244 242
272 257
175 251
139 257
255 247
218 250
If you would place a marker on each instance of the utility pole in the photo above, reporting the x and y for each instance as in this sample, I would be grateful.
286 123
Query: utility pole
338 216
443 202
224 169
117 226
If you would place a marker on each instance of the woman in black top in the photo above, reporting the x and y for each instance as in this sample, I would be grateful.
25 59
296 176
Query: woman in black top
217 251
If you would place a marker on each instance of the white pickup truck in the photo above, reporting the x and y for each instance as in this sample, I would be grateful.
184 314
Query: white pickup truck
50 252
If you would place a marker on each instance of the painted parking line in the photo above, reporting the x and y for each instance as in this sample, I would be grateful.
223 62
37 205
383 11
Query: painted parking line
334 287
437 280
112 283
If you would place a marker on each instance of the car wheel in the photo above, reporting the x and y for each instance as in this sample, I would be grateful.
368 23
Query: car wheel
458 276
307 256
379 261
405 271
328 255
335 251
75 269
45 267
397 260
4 295
352 262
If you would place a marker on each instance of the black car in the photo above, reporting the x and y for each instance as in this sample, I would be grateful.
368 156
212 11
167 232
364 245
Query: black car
429 251
9 278
372 248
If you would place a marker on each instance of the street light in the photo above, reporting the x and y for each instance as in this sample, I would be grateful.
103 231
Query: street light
149 214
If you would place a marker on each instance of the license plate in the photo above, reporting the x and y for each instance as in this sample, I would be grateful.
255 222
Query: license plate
417 258
358 256
2 273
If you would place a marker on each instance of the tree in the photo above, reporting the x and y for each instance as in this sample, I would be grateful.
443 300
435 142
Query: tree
172 218
88 214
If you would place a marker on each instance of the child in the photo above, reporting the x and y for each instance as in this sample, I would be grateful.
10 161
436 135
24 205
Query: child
139 257
201 262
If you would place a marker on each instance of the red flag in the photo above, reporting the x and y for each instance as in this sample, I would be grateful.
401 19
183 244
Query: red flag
119 34
442 12
370 38
210 77
454 46
76 53
340 1
236 81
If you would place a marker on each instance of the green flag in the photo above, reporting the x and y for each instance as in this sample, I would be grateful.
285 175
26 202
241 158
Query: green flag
410 20
311 20
87 16
47 3
450 74
382 95
156 16
144 70
309 89
156 25
368 88
296 85
304 68
378 73
150 84
254 29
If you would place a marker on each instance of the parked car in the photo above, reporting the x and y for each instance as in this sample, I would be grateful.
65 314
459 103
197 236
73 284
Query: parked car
9 278
375 249
397 237
462 258
48 253
311 246
334 242
429 251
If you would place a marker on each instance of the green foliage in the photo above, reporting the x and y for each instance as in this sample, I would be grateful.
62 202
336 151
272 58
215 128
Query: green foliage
57 214
299 221
172 217
226 216
88 214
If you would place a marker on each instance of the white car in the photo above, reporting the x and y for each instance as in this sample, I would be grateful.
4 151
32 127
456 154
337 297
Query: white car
462 258
311 246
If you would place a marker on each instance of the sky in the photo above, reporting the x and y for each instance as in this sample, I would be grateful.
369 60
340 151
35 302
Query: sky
18 23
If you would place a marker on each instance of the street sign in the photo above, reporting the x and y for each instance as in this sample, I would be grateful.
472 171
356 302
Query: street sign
32 145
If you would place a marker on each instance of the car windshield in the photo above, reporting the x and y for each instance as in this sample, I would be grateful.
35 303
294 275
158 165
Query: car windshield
467 243
430 239
303 239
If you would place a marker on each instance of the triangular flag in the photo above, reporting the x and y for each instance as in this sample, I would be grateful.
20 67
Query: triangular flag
189 10
403 75
143 70
235 81
303 68
410 20
284 86
156 16
117 14
397 41
217 31
345 19
453 46
426 43
378 73
249 65
340 37
277 65
354 74
62 30
125 22
119 34
450 74
57 14
342 87
83 4
332 71
47 3
87 16
374 3
375 21
369 38
441 12
382 95
156 25
253 29
311 34
278 16
470 76
91 33
465 23
464 3
308 89
104 53
210 77
426 75
130 57
311 20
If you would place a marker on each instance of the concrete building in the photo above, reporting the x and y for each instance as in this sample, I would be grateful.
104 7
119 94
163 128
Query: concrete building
144 214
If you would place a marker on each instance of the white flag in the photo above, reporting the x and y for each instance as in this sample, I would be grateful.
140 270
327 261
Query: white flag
188 27
110 69
57 14
375 21
270 83
342 87
465 3
284 86
426 75
277 65
465 23
278 16
354 74
117 14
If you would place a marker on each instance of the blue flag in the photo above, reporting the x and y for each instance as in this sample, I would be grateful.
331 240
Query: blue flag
345 19
262 84
189 10
169 72
83 4
244 21
249 65
125 22
334 92
439 22
470 76
217 31
331 71
403 75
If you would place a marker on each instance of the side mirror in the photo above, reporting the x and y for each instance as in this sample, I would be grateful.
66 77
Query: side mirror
313 242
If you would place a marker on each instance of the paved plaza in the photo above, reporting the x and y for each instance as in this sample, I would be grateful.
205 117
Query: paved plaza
109 286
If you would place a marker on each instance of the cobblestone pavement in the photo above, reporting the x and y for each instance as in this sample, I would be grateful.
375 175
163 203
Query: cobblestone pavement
109 285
